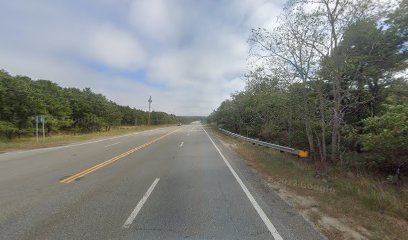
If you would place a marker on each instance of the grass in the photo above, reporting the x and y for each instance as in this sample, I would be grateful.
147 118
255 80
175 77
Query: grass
25 143
343 206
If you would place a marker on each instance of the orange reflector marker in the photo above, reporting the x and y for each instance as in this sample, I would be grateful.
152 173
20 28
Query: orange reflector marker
303 154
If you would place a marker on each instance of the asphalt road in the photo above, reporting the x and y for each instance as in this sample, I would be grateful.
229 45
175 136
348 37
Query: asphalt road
170 183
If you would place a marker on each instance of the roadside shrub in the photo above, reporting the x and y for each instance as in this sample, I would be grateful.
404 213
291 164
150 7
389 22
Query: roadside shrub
386 138
8 130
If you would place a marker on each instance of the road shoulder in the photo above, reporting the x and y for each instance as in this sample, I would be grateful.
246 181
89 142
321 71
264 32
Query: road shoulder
341 205
286 219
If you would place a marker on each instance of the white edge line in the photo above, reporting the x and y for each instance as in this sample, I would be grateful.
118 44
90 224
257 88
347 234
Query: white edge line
111 145
258 209
181 144
140 204
77 144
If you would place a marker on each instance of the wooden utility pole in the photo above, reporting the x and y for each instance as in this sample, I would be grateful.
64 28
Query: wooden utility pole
150 102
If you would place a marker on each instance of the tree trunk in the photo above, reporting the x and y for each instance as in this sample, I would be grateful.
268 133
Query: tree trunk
309 134
336 120
321 140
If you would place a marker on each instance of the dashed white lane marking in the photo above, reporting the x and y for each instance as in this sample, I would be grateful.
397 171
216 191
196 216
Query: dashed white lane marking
181 144
140 204
113 144
258 209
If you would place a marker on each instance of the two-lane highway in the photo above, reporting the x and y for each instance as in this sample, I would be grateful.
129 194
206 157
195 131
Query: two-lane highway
170 183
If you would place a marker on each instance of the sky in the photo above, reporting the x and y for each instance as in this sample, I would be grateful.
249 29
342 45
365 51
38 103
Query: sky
188 55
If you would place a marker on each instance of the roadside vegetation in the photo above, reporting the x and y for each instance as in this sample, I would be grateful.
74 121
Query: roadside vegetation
330 78
67 111
345 205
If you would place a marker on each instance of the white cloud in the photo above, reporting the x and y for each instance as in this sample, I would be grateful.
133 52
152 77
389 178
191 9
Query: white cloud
157 19
114 47
211 59
190 54
257 13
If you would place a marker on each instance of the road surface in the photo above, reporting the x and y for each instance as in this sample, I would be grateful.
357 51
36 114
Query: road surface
170 183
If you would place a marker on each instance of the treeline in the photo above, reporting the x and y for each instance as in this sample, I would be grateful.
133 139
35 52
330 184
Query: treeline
190 119
65 109
330 78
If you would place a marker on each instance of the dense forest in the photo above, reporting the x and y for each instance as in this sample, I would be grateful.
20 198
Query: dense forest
65 109
331 78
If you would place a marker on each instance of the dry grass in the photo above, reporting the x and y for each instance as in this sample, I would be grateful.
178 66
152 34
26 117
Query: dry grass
343 206
25 143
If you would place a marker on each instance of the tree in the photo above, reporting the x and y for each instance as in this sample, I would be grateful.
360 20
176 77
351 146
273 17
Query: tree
386 136
65 109
328 67
285 48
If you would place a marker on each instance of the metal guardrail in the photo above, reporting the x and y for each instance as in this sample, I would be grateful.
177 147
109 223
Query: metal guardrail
299 153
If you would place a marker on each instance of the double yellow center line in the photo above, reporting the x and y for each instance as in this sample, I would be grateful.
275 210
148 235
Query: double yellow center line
112 160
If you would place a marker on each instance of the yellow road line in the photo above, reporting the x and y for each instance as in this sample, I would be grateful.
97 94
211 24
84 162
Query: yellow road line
112 160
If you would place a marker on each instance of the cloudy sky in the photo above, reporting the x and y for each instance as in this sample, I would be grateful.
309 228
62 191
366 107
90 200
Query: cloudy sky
188 55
